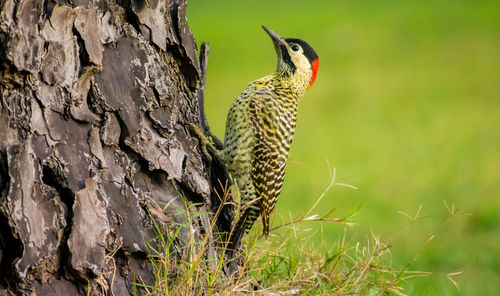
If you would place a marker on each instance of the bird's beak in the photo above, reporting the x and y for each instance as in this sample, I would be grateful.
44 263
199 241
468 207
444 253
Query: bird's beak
277 39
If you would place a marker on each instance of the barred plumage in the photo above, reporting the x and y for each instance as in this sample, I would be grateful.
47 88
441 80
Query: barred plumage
259 131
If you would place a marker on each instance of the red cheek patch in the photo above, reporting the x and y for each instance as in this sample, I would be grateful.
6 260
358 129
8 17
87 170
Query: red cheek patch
314 67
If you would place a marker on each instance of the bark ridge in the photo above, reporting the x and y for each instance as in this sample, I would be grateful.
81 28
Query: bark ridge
95 97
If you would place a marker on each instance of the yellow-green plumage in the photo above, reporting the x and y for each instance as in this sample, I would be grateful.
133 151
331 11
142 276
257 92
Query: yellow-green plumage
259 131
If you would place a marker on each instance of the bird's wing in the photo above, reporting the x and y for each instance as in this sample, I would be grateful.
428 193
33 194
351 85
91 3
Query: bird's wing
269 153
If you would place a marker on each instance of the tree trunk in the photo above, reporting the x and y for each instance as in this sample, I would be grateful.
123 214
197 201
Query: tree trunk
95 100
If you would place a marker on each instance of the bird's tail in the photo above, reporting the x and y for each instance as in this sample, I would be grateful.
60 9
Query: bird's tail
242 227
265 223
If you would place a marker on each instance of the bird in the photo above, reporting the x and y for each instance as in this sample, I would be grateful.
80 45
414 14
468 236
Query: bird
259 130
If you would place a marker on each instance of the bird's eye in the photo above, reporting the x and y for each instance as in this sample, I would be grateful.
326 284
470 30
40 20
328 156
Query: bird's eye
295 47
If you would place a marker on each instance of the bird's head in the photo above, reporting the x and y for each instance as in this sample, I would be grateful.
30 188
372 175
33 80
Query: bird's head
295 57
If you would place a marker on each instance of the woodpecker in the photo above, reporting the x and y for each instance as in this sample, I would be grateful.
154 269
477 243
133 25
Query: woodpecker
260 127
259 131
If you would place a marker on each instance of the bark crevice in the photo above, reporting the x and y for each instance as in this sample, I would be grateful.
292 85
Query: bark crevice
95 98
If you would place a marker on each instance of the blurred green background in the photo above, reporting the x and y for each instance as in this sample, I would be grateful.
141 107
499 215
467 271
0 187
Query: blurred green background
406 107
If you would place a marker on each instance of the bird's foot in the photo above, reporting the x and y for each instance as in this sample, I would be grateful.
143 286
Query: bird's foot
215 140
206 145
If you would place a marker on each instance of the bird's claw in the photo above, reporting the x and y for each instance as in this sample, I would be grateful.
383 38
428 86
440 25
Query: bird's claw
217 142
205 143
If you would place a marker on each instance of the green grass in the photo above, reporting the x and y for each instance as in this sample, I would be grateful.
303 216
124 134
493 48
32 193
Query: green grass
289 262
406 106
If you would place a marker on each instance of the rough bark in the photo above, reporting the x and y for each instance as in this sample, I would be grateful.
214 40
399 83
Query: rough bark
95 99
